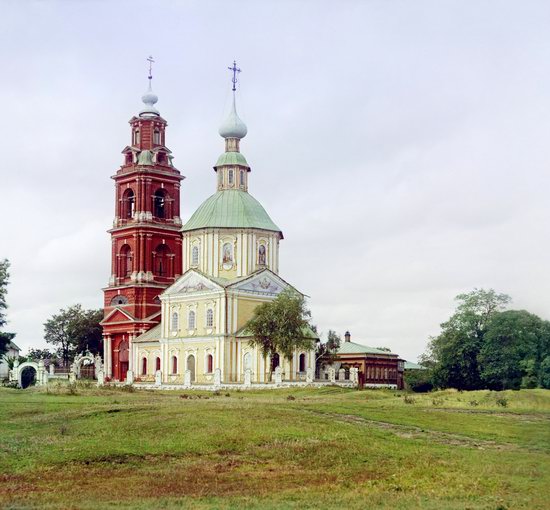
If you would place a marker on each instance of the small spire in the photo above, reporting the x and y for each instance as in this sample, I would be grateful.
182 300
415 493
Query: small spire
149 98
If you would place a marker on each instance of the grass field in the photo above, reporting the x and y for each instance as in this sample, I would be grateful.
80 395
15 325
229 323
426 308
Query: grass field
326 448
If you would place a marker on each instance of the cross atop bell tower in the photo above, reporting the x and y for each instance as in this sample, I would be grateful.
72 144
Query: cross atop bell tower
151 62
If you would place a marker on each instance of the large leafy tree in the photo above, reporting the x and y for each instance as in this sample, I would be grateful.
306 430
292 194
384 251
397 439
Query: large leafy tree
74 330
281 325
325 352
453 354
515 344
5 338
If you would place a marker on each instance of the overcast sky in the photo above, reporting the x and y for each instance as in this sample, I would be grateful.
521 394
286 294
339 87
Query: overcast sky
402 146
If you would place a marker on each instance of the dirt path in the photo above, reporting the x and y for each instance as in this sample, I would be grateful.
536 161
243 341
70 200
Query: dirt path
413 432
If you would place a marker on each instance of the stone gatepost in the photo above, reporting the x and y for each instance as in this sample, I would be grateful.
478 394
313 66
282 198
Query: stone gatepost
130 377
158 378
354 375
217 379
41 374
72 377
310 375
278 376
51 368
187 379
13 373
341 375
100 378
247 378
332 375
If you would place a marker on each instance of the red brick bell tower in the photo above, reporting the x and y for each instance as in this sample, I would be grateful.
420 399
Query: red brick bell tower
146 238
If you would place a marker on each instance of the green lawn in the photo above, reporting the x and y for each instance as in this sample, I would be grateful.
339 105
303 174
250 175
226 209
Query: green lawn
326 448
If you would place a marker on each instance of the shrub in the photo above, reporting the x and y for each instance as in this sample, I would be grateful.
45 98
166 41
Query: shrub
408 399
419 381
474 403
502 401
437 401
290 397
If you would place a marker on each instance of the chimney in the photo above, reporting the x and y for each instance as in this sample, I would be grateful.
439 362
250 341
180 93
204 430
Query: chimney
347 336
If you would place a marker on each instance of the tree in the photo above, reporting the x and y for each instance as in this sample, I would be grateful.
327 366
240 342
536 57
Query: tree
281 325
37 354
10 360
453 354
325 353
74 330
5 338
545 372
515 344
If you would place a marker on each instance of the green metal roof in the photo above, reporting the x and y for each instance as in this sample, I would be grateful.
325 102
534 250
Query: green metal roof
409 365
231 158
353 348
152 335
231 208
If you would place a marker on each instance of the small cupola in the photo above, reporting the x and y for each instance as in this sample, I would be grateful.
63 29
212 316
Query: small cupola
347 336
149 98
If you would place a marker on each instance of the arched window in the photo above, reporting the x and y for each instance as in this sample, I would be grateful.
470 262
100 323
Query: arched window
157 364
230 177
174 365
128 204
125 261
136 137
195 256
302 362
385 373
247 361
162 261
119 300
191 320
209 364
160 202
175 322
241 177
156 137
209 318
144 366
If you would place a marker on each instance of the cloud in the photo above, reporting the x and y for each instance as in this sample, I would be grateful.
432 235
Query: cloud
401 147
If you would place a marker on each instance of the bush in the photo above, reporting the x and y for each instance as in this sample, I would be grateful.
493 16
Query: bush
408 399
419 381
502 401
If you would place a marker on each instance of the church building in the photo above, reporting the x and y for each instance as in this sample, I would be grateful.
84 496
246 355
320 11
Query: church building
180 294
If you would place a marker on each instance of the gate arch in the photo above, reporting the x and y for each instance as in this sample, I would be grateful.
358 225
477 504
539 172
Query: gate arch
21 368
18 369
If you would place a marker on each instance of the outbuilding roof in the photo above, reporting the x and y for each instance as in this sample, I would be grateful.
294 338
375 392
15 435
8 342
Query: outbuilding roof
355 348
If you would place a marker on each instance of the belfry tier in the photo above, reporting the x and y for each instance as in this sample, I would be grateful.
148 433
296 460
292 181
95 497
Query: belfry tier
231 235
